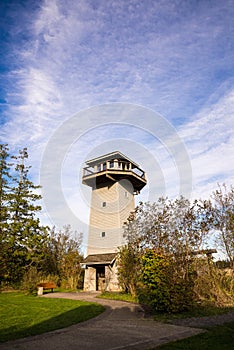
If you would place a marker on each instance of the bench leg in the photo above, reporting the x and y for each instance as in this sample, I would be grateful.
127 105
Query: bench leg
40 291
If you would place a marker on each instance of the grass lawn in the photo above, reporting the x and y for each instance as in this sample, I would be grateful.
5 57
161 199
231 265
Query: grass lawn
216 338
195 311
22 315
118 296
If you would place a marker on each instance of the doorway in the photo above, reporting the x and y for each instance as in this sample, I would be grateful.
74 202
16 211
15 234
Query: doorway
100 277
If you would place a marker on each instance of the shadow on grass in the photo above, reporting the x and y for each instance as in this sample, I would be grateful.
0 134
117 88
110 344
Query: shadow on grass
216 338
66 319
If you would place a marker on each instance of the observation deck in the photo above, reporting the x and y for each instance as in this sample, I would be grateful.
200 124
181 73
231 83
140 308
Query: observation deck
113 167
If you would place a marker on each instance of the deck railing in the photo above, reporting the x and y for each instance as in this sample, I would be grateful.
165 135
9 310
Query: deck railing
113 165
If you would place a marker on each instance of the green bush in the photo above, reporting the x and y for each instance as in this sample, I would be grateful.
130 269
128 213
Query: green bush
30 280
181 296
33 277
128 269
161 286
213 284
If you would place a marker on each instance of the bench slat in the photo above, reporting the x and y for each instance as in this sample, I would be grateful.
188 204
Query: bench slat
47 285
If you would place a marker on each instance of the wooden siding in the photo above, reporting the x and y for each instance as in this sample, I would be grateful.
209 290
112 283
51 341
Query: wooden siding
119 200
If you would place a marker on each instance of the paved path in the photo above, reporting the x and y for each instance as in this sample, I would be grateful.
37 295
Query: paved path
121 326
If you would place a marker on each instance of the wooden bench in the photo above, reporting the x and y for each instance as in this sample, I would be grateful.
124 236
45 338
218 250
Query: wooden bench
46 285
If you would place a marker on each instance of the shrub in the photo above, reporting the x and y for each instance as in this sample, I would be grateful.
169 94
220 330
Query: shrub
162 287
214 284
128 269
30 280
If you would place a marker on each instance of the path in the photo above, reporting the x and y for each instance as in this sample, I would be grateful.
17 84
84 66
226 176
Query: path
121 326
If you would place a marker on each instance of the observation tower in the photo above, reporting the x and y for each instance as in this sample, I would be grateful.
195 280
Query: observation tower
114 179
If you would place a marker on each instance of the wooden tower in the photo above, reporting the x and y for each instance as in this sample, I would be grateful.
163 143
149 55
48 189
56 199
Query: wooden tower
114 180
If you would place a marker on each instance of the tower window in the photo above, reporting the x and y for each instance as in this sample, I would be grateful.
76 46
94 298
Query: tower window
103 234
104 204
126 194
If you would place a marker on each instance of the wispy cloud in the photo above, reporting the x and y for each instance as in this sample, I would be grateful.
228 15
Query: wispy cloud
174 57
161 55
210 142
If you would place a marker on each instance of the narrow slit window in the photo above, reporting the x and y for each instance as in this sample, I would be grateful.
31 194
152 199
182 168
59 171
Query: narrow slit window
103 234
104 204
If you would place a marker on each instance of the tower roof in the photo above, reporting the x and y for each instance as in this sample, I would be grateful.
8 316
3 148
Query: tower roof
110 156
97 259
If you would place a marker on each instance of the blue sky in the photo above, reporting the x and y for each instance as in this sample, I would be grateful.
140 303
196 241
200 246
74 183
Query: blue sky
175 58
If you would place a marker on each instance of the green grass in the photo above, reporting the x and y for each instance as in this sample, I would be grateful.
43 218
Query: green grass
118 296
22 316
195 311
216 338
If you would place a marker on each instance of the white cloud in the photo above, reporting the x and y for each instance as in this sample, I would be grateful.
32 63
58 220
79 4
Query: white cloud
209 142
171 57
118 52
209 139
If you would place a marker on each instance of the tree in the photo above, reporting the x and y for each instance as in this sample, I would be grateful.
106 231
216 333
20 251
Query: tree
63 257
5 179
223 219
25 236
129 268
173 227
4 184
29 250
164 233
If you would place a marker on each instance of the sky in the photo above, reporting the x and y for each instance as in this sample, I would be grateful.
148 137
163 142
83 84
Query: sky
152 79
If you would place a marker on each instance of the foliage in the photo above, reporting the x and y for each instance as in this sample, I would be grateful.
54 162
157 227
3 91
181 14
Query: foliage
30 252
22 316
213 284
176 228
179 222
63 257
30 280
163 259
162 287
155 289
5 178
222 264
223 219
157 259
128 268
22 236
